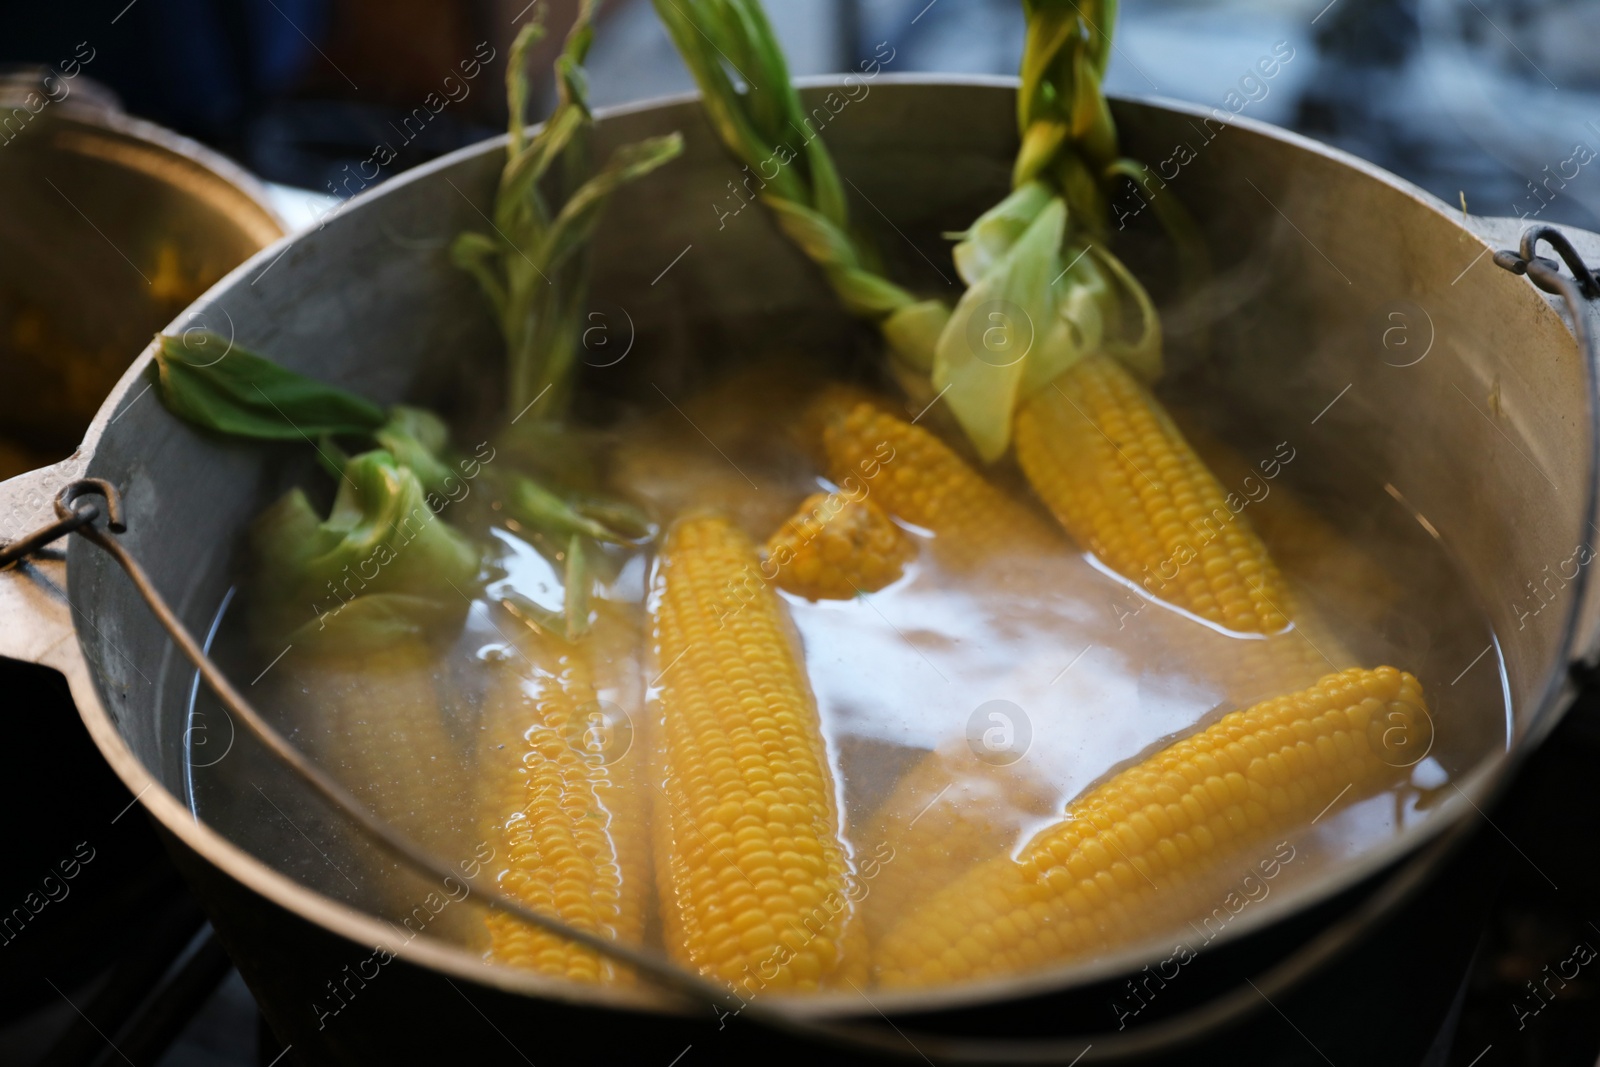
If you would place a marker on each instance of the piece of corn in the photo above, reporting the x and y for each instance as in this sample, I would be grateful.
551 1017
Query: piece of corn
380 723
561 806
807 427
1146 849
1256 669
834 548
1309 550
755 879
1105 457
914 476
380 728
946 815
950 811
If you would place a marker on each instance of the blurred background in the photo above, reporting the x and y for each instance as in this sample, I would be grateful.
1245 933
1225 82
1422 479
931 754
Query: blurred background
1497 100
1493 105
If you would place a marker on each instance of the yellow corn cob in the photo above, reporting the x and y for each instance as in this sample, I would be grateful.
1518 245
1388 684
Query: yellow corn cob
1146 849
1310 551
807 428
1107 460
565 817
834 548
950 812
911 474
381 730
946 815
755 880
380 724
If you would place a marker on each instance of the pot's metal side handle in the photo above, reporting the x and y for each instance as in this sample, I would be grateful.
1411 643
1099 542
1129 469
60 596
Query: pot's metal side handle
1576 247
35 615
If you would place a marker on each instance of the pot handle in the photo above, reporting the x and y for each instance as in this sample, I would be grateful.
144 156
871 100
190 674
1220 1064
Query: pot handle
35 614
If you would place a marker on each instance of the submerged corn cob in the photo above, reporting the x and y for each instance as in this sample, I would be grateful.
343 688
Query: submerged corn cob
755 880
1151 846
913 475
1107 460
1309 549
561 806
1259 668
834 548
951 811
947 814
382 725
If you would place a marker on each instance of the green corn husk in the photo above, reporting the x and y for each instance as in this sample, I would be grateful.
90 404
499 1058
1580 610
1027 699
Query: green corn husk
533 268
1041 278
382 565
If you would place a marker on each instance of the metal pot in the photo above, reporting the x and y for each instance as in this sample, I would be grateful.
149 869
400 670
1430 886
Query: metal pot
370 301
113 226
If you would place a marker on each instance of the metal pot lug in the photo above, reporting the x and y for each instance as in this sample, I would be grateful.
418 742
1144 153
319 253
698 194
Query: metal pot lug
35 615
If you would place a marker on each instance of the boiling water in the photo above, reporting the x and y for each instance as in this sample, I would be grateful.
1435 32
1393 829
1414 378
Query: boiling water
962 711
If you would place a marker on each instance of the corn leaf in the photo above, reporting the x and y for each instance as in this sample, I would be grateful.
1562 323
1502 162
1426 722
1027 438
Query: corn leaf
575 602
536 507
980 359
380 537
578 217
222 386
533 269
536 615
375 621
997 230
416 439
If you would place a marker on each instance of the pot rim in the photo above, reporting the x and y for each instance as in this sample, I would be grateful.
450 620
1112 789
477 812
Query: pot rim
353 924
114 120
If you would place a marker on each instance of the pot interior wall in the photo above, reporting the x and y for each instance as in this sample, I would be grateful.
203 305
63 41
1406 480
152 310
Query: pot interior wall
1487 437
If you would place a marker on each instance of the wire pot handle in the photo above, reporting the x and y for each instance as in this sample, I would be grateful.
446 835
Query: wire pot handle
1546 274
78 512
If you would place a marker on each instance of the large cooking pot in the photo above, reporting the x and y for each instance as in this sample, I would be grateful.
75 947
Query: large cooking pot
1478 417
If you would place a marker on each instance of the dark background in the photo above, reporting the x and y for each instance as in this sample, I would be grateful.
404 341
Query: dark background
1473 97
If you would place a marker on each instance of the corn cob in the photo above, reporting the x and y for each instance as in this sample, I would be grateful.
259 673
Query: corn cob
380 728
1143 850
950 812
913 475
1310 551
379 723
565 819
946 815
755 879
1107 460
834 548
